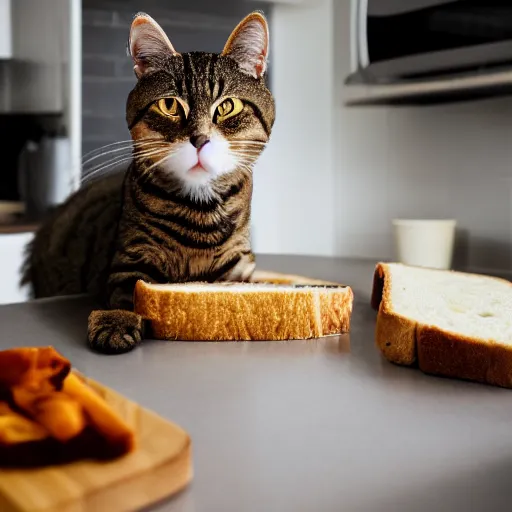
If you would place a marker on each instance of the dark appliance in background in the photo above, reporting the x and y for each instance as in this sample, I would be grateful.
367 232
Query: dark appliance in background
35 155
14 132
400 41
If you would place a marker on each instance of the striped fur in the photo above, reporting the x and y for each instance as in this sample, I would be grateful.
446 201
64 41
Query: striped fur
160 221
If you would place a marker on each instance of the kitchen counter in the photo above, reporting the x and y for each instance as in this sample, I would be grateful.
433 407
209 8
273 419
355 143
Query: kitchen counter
323 425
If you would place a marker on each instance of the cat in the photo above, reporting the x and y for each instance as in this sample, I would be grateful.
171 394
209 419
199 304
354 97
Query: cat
181 211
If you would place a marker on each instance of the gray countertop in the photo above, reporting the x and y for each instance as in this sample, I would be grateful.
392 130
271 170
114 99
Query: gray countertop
323 425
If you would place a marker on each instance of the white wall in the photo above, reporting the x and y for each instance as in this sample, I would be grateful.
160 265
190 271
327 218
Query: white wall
375 163
12 248
5 29
293 199
450 161
74 105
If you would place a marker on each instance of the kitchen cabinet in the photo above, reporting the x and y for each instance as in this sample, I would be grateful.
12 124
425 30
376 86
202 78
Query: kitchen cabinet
40 35
42 75
5 29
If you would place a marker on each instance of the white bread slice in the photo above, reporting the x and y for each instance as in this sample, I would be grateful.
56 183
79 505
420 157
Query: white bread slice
243 311
448 323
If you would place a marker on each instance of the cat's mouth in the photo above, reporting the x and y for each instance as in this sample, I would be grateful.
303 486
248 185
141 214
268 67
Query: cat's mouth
197 169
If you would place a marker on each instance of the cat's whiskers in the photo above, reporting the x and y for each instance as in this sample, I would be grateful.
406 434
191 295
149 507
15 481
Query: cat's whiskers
236 147
246 153
159 162
124 153
102 169
247 149
140 152
119 160
245 161
123 149
245 167
129 143
126 156
246 157
244 141
252 158
151 157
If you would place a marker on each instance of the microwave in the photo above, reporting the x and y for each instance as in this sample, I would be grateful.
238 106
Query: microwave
397 41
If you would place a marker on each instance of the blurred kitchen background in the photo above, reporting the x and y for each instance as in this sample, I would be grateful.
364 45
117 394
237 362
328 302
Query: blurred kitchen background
385 109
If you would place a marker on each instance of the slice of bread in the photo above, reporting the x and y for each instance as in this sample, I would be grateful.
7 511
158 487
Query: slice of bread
244 311
265 276
448 323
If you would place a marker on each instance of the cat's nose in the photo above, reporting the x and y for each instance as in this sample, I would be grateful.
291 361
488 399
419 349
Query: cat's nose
198 141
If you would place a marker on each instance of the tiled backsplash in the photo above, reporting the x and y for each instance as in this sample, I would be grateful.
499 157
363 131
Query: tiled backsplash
107 70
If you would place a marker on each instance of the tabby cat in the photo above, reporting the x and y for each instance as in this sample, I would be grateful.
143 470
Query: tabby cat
181 211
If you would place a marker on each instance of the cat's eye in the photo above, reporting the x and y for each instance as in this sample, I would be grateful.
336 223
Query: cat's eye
170 107
230 107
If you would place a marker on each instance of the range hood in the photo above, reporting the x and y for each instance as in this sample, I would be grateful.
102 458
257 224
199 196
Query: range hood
429 51
453 89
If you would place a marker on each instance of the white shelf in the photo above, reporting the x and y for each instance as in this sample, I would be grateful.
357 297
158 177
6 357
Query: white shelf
484 85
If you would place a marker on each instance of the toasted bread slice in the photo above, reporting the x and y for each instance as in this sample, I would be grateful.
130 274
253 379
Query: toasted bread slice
244 311
49 415
448 323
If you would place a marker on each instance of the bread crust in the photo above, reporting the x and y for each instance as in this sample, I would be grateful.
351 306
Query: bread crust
396 338
227 316
395 335
435 351
445 354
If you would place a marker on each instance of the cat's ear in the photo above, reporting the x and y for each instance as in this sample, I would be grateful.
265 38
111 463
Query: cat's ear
148 44
248 44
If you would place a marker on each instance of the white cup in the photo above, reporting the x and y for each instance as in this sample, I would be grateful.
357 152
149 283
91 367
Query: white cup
425 243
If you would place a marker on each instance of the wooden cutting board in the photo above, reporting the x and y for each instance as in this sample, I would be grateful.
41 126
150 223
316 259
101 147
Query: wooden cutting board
160 467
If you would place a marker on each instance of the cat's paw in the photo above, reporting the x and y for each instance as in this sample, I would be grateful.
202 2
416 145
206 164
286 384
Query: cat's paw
114 331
